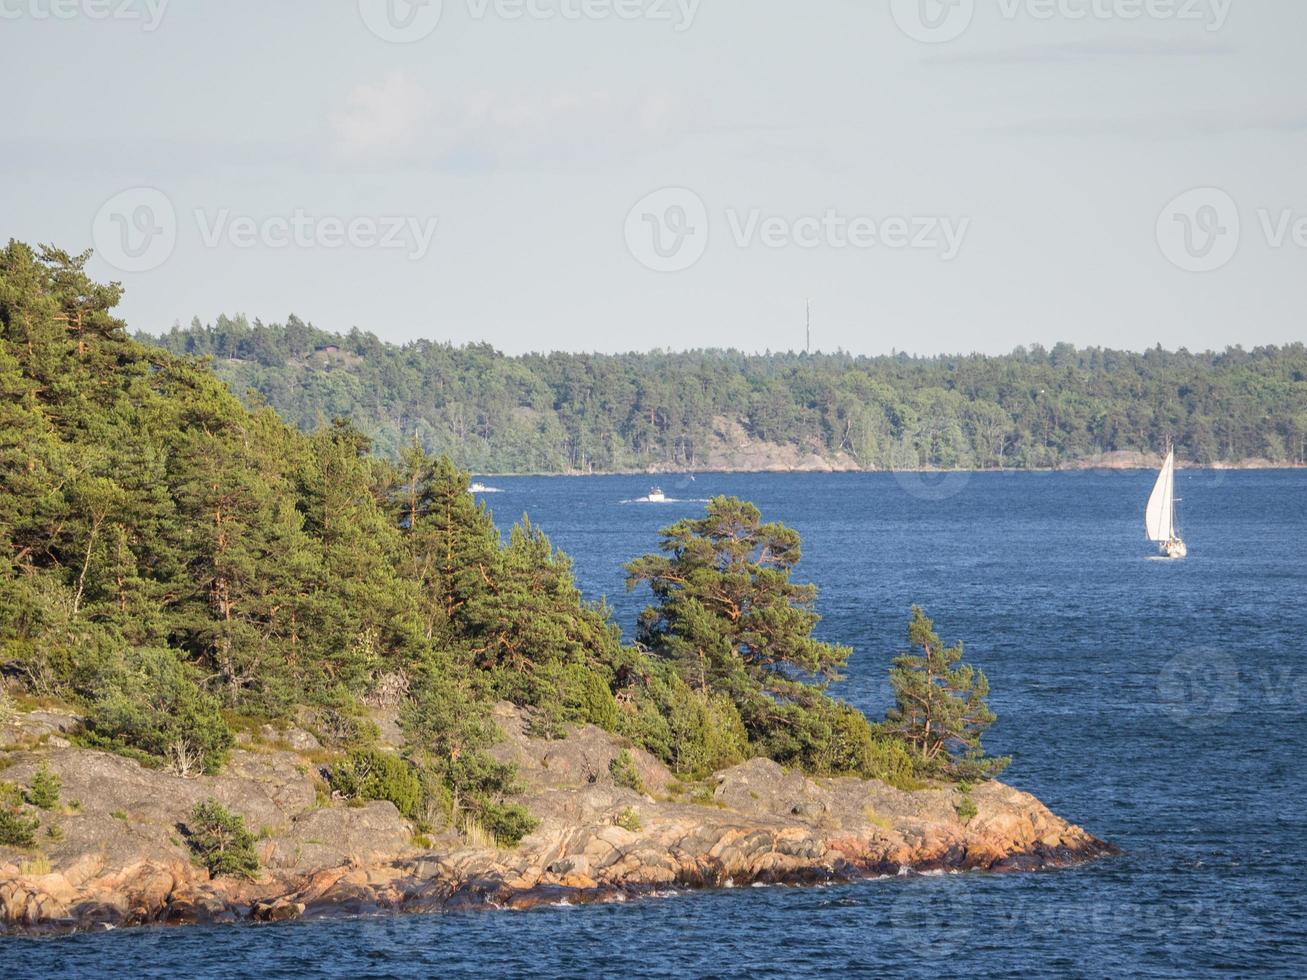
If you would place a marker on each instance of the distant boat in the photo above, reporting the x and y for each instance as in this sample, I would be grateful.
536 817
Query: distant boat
482 488
1159 518
656 496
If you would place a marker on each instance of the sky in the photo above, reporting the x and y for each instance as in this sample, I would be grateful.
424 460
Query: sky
935 176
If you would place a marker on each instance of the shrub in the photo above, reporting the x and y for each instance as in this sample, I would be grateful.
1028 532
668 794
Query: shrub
151 704
628 819
821 735
16 829
44 791
448 733
371 774
558 694
508 822
36 867
221 842
692 732
340 721
587 697
707 733
622 769
966 809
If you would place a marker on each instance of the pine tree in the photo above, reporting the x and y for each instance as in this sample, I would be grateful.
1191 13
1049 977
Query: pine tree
726 608
940 708
452 543
44 791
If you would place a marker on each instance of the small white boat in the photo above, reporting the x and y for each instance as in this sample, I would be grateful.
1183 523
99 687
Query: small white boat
1159 517
482 488
656 496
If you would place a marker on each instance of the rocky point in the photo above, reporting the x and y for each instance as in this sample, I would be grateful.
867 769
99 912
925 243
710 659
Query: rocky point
119 858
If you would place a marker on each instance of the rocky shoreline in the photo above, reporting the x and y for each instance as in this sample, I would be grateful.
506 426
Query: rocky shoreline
119 859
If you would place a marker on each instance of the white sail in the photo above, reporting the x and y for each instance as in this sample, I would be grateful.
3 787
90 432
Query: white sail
1159 519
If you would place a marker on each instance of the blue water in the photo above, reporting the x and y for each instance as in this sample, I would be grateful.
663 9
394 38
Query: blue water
1163 706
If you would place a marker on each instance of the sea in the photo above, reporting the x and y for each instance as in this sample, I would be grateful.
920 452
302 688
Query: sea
1160 705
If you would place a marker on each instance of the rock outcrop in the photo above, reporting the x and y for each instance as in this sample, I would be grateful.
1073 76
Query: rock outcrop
117 857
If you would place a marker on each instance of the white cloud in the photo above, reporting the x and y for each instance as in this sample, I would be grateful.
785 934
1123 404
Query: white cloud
398 119
382 117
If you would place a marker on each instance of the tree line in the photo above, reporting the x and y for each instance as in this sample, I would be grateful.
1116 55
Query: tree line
569 412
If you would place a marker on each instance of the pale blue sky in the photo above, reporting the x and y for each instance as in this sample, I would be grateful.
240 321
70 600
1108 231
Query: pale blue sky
1048 139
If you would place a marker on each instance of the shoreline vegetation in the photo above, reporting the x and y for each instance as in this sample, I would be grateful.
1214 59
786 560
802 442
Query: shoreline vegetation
725 410
1251 465
234 654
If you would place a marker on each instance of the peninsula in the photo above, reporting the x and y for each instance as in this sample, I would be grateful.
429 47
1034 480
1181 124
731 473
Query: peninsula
247 671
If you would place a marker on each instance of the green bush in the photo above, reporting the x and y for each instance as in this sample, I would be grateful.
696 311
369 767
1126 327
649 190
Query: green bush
221 842
151 704
707 733
966 809
692 732
16 829
558 695
622 769
448 732
859 748
371 774
341 722
44 790
821 735
508 822
586 697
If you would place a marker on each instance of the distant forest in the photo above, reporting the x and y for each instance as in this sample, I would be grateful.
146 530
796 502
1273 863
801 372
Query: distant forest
560 412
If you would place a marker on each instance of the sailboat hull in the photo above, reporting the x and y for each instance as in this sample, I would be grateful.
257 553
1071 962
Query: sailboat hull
1175 548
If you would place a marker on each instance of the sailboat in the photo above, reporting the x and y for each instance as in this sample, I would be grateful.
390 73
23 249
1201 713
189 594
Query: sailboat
1159 518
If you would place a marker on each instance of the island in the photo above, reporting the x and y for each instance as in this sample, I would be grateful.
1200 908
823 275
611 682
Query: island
252 673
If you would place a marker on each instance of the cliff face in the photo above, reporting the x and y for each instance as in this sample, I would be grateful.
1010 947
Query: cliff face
119 857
